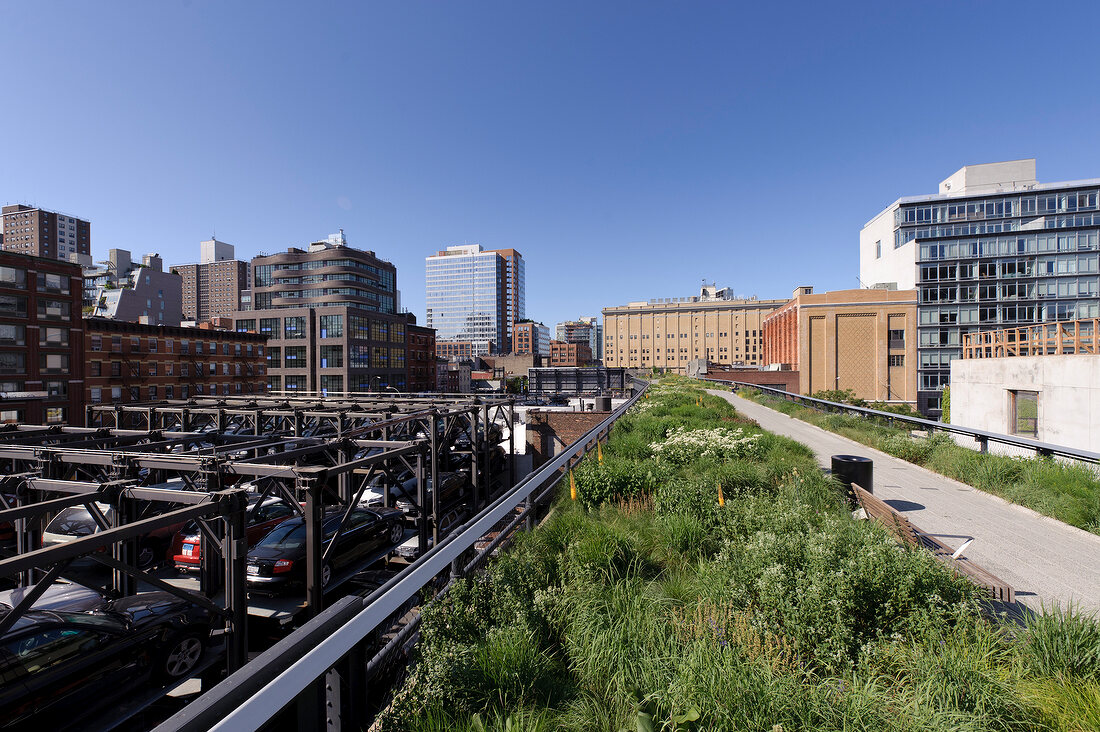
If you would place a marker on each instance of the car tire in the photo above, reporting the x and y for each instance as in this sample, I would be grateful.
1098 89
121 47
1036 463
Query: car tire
397 532
181 655
326 574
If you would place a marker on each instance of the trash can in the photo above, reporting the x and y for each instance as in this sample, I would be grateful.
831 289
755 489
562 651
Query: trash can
854 470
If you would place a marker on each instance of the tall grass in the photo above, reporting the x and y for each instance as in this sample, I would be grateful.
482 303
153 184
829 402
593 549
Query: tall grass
646 605
1067 492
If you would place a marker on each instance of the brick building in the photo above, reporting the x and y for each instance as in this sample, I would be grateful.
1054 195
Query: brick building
530 338
863 340
420 357
41 340
132 362
569 354
212 288
41 233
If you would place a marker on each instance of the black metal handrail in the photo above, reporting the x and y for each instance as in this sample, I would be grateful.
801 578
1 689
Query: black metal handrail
982 437
298 668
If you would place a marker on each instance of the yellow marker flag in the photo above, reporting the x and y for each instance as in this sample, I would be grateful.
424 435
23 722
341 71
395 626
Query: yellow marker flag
599 453
721 498
572 486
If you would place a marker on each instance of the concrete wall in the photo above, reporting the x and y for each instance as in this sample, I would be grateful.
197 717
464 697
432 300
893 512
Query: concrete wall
892 265
1069 395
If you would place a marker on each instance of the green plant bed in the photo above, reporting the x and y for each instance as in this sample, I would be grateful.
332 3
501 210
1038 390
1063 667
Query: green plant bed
1067 492
647 605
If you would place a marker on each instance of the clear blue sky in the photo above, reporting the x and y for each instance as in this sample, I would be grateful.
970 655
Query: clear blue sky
628 150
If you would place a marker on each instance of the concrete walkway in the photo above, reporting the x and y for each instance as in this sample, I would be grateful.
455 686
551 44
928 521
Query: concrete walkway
1045 561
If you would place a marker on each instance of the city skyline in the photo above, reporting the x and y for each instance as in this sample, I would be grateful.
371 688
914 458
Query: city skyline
588 137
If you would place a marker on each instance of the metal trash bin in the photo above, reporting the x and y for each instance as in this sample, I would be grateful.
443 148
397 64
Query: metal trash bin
854 469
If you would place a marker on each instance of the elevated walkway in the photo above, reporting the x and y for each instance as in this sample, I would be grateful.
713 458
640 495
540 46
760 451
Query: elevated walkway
1045 560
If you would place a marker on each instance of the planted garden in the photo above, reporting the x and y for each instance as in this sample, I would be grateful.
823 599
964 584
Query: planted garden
708 576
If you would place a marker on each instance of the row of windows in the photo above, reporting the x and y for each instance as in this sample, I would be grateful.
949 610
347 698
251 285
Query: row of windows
15 306
117 393
329 383
201 370
988 208
183 346
48 363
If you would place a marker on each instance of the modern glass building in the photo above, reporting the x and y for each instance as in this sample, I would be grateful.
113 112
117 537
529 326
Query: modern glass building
993 249
476 296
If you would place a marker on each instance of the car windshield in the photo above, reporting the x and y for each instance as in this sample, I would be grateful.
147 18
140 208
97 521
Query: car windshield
288 536
73 521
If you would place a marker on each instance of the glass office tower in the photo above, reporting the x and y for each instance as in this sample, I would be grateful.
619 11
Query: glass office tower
475 296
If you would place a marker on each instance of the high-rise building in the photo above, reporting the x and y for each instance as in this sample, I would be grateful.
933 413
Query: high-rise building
475 296
530 338
582 330
993 248
329 314
668 333
212 288
41 233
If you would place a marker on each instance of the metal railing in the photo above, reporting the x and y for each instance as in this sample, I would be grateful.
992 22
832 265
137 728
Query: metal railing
1041 339
982 437
333 651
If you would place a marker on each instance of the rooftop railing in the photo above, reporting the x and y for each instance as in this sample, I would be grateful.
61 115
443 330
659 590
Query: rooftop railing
1042 339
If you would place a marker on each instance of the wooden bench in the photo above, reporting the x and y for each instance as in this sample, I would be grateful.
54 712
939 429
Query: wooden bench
907 532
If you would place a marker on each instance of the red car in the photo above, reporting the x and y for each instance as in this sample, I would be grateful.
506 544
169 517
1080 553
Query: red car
263 516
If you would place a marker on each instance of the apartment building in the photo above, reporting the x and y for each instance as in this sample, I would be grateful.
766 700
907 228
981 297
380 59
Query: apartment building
569 354
134 362
48 234
862 340
475 296
530 338
329 313
145 294
41 340
586 330
212 287
994 248
420 357
668 333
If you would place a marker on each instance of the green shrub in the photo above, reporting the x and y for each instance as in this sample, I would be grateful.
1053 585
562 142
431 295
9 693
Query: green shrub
1061 643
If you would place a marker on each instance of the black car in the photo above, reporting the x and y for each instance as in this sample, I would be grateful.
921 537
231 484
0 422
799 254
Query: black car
452 487
278 561
60 667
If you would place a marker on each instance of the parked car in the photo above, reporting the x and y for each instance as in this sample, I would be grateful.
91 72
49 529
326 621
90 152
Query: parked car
278 561
452 487
61 595
76 521
186 552
410 549
60 667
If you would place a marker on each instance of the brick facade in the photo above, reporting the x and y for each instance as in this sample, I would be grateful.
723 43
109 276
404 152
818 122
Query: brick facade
548 432
131 362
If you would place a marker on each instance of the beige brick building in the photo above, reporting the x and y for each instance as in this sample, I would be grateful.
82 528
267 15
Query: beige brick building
863 340
667 334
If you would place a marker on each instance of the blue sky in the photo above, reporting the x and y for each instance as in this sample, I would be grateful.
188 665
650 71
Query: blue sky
628 149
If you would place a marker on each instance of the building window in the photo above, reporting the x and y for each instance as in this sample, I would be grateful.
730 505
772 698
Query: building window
268 326
295 328
295 383
1024 411
274 356
15 335
135 393
13 363
332 326
246 326
334 384
11 277
53 283
96 394
898 360
896 338
53 363
295 357
332 357
169 391
878 249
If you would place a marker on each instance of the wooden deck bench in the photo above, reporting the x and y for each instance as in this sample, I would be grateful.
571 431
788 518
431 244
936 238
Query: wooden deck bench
907 532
